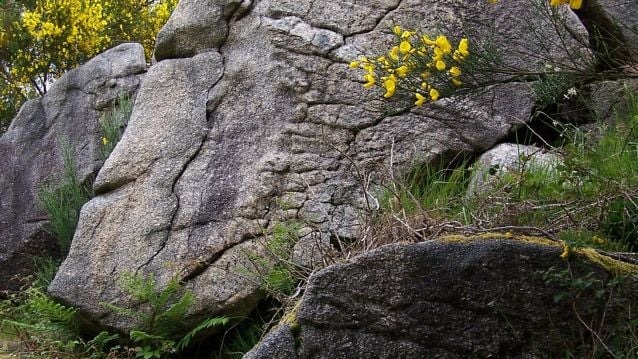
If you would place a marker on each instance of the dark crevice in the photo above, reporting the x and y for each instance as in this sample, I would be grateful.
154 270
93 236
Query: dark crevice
201 265
605 37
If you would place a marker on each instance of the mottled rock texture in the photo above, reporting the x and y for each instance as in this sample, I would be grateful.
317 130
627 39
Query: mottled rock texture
485 298
267 112
31 151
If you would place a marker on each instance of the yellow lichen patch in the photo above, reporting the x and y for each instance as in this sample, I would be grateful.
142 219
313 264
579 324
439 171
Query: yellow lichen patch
291 316
459 238
611 265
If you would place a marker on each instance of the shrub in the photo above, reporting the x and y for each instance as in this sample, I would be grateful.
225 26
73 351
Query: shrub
62 202
113 123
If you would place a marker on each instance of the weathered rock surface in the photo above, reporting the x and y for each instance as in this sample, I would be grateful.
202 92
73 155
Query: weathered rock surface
219 141
197 26
486 298
509 158
31 151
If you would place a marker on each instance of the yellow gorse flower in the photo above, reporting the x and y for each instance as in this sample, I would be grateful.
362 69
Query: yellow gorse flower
413 59
405 47
390 84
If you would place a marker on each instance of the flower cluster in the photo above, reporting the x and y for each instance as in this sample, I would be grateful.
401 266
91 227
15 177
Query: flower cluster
574 4
424 67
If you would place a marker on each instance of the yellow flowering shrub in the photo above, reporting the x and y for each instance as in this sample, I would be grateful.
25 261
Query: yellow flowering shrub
423 67
49 37
57 35
137 20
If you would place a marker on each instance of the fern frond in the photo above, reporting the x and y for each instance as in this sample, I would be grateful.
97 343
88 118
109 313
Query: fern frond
141 336
208 323
177 311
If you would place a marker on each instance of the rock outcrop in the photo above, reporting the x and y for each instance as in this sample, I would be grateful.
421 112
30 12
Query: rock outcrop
455 298
31 151
267 113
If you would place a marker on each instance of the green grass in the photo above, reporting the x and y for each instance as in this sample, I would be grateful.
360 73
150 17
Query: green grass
113 123
438 190
593 192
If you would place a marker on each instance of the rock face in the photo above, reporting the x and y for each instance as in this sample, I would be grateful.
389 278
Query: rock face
268 113
486 298
31 151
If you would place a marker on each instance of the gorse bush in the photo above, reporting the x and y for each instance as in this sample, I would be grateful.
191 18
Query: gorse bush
418 65
43 39
113 123
62 202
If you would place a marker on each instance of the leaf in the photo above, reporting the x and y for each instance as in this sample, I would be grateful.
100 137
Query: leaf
140 336
208 323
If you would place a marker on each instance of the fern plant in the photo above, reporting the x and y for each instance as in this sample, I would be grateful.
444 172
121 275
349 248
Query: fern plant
162 320
39 321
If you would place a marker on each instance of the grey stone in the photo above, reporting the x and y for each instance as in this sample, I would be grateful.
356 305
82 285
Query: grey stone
609 99
509 158
485 298
280 344
313 251
218 141
31 151
196 26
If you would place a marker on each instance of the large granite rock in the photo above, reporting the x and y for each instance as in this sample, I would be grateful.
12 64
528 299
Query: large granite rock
197 26
31 151
219 142
477 299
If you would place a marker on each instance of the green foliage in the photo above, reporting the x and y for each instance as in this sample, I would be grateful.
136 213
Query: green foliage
241 339
281 276
47 328
37 321
206 324
113 123
62 202
436 188
42 39
46 267
161 317
590 198
605 333
165 309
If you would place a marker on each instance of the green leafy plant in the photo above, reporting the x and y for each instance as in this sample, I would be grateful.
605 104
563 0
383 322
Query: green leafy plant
590 299
38 323
274 269
62 202
113 123
161 317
